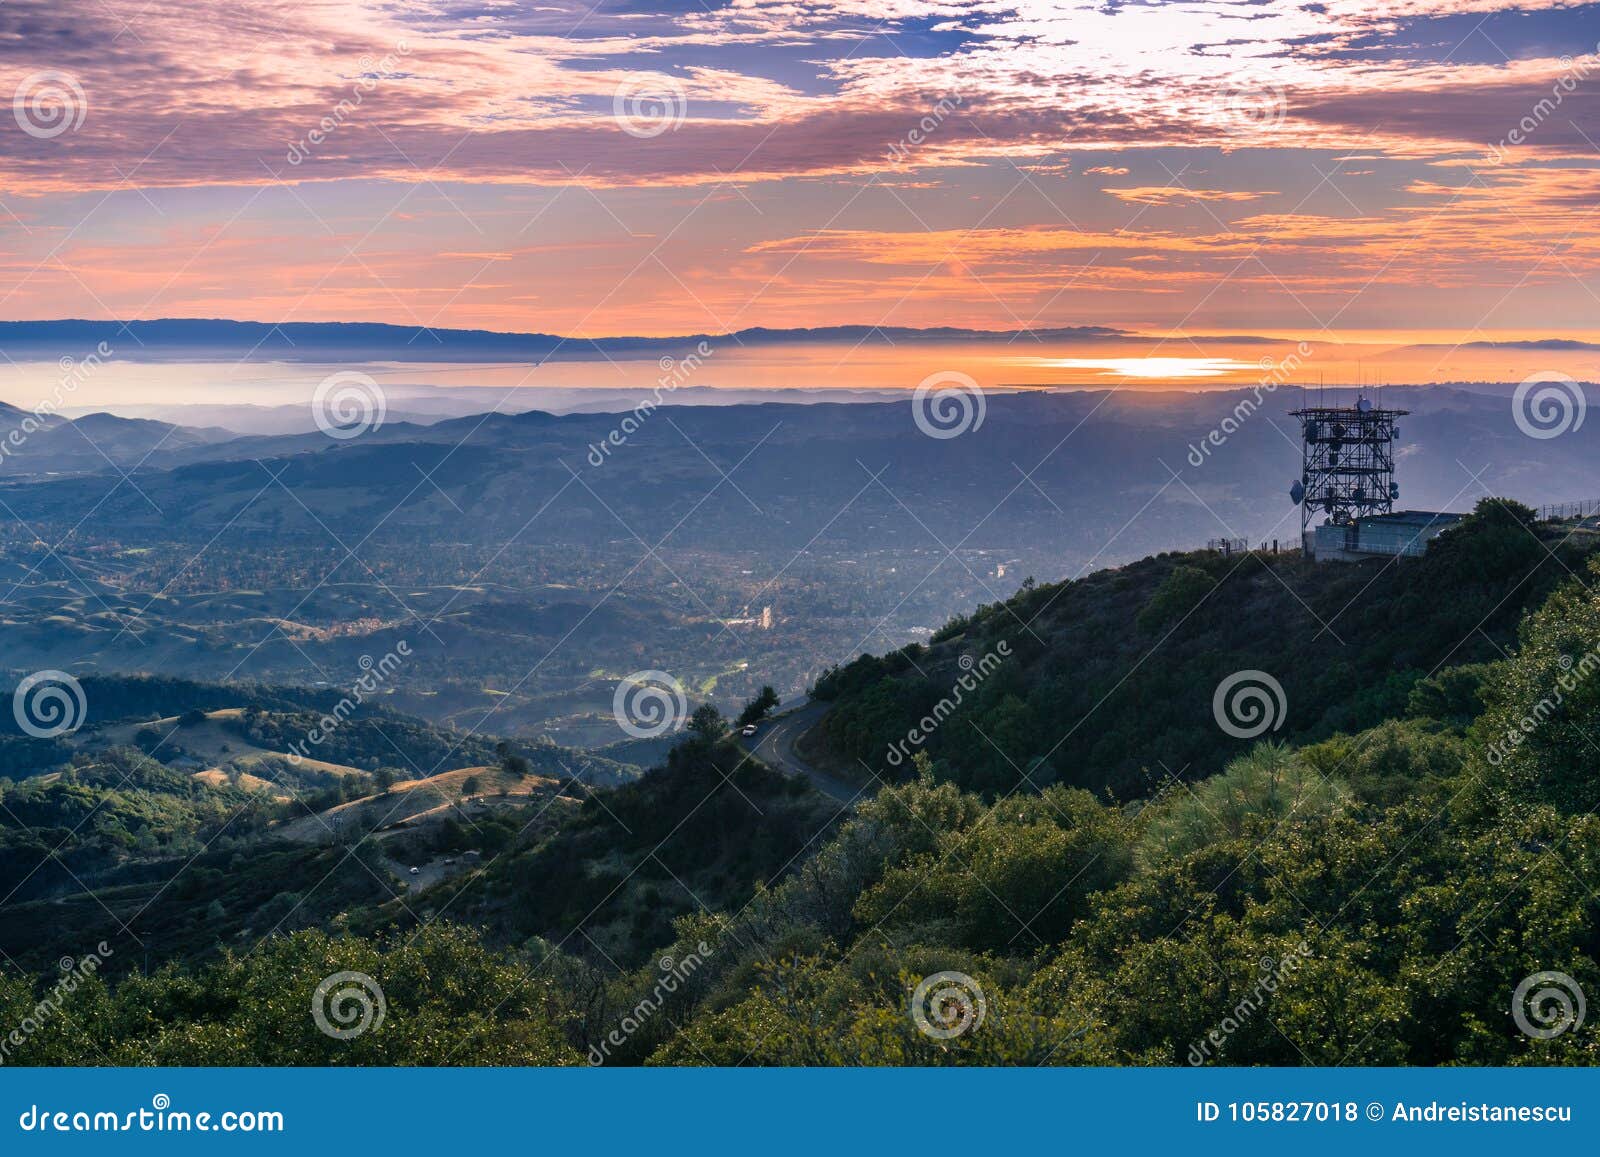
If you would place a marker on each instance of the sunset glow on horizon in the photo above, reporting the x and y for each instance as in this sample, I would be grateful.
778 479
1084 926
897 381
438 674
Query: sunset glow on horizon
1147 367
1328 172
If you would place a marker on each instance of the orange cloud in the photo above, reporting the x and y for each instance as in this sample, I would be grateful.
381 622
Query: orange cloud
1177 194
490 166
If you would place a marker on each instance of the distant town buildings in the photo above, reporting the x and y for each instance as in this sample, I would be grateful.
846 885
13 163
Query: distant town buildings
762 622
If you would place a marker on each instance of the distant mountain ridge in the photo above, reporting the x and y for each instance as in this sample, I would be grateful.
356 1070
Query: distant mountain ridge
496 470
306 341
422 405
43 443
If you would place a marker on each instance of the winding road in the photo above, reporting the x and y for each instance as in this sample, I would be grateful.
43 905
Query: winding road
774 744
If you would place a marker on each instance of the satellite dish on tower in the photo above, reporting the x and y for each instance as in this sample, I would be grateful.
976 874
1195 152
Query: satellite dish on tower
1297 492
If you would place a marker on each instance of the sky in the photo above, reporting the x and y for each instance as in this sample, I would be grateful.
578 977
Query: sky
1316 169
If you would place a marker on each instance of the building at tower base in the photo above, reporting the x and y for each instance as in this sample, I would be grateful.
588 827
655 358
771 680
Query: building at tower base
1404 533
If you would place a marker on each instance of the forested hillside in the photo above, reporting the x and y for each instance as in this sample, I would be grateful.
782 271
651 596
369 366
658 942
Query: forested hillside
1109 679
1112 875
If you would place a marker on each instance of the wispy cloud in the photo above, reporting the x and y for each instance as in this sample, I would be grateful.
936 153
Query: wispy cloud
498 127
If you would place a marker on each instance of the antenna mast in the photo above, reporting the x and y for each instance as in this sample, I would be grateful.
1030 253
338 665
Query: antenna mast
1346 463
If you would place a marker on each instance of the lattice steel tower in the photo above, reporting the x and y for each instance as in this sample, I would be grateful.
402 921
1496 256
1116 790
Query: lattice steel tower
1347 462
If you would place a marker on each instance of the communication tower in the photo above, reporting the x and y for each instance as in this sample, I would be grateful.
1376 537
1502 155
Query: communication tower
1347 462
